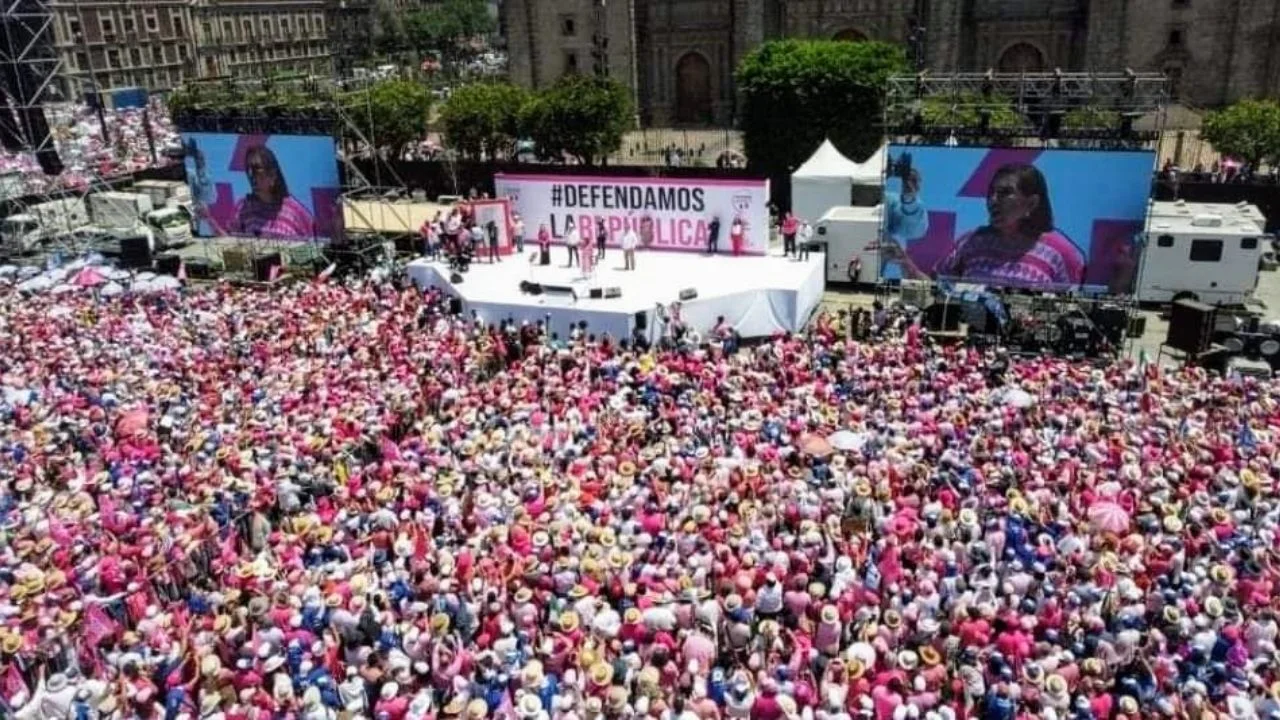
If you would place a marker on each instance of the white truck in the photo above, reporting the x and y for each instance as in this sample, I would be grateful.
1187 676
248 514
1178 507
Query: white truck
1210 252
852 235
27 231
126 212
165 193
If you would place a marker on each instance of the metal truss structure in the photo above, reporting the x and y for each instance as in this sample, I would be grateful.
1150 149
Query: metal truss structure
1104 106
29 69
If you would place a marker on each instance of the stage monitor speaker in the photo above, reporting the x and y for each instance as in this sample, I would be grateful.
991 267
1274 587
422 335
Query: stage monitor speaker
168 263
943 317
1191 326
642 321
529 287
455 278
612 293
596 293
688 294
135 251
262 265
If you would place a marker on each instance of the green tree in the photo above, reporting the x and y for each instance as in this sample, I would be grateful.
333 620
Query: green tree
1249 130
483 118
583 117
1091 116
446 28
391 113
797 92
966 111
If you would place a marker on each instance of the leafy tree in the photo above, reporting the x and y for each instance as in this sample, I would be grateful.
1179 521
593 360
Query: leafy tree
446 27
797 92
391 113
388 30
583 117
966 111
483 118
1091 116
1249 130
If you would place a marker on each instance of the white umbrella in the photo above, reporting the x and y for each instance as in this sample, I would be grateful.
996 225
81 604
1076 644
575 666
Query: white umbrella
847 440
38 283
111 289
1019 398
8 270
62 289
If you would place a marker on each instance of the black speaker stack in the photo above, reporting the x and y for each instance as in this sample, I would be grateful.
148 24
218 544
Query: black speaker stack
688 294
1191 326
135 252
199 268
262 265
168 264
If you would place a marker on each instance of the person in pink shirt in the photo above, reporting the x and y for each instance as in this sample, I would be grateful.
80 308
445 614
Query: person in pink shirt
790 226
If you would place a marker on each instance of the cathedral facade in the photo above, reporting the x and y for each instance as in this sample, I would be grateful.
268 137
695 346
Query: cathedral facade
678 56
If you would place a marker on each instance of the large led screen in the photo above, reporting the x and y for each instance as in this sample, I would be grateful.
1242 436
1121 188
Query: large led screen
1015 217
269 186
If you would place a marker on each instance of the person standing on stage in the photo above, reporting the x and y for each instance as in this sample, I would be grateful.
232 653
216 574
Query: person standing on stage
517 231
805 236
713 235
587 258
789 227
602 236
573 241
737 235
544 245
491 230
452 227
629 242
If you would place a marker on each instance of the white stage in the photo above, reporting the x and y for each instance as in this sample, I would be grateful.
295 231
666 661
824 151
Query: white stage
758 296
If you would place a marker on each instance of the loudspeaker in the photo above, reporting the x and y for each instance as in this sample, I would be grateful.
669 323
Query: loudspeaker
642 320
613 292
1190 326
262 265
688 294
455 306
1112 322
199 268
596 293
135 251
168 263
530 288
943 317
455 278
1137 325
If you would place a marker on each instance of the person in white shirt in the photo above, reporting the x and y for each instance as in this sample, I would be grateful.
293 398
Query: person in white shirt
517 229
573 242
629 242
804 238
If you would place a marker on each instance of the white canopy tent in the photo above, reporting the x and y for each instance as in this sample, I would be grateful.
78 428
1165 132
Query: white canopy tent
824 181
871 170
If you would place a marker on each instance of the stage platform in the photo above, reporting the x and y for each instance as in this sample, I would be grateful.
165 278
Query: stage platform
758 296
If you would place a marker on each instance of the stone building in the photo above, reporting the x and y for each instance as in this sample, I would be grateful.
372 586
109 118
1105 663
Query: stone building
679 55
159 44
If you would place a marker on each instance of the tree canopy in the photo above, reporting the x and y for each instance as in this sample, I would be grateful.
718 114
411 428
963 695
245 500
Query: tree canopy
965 111
582 117
797 92
391 113
441 28
1248 130
483 118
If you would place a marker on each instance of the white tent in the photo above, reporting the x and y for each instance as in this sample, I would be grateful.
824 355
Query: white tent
824 181
871 170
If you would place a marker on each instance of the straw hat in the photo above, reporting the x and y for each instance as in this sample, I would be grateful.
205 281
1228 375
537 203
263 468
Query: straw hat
930 656
477 709
601 674
569 621
855 668
456 705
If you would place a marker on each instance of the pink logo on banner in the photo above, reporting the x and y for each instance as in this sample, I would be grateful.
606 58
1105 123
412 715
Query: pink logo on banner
980 180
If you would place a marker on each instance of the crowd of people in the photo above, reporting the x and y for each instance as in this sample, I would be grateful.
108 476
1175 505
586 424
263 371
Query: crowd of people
76 133
339 501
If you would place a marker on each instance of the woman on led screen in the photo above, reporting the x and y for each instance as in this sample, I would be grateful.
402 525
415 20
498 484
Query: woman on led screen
268 210
1019 245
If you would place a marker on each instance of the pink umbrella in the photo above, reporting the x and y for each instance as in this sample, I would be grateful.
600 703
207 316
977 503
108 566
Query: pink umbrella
89 277
815 445
1108 516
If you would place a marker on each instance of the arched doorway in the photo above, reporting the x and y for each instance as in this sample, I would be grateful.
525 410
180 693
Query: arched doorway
1021 57
693 89
850 35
